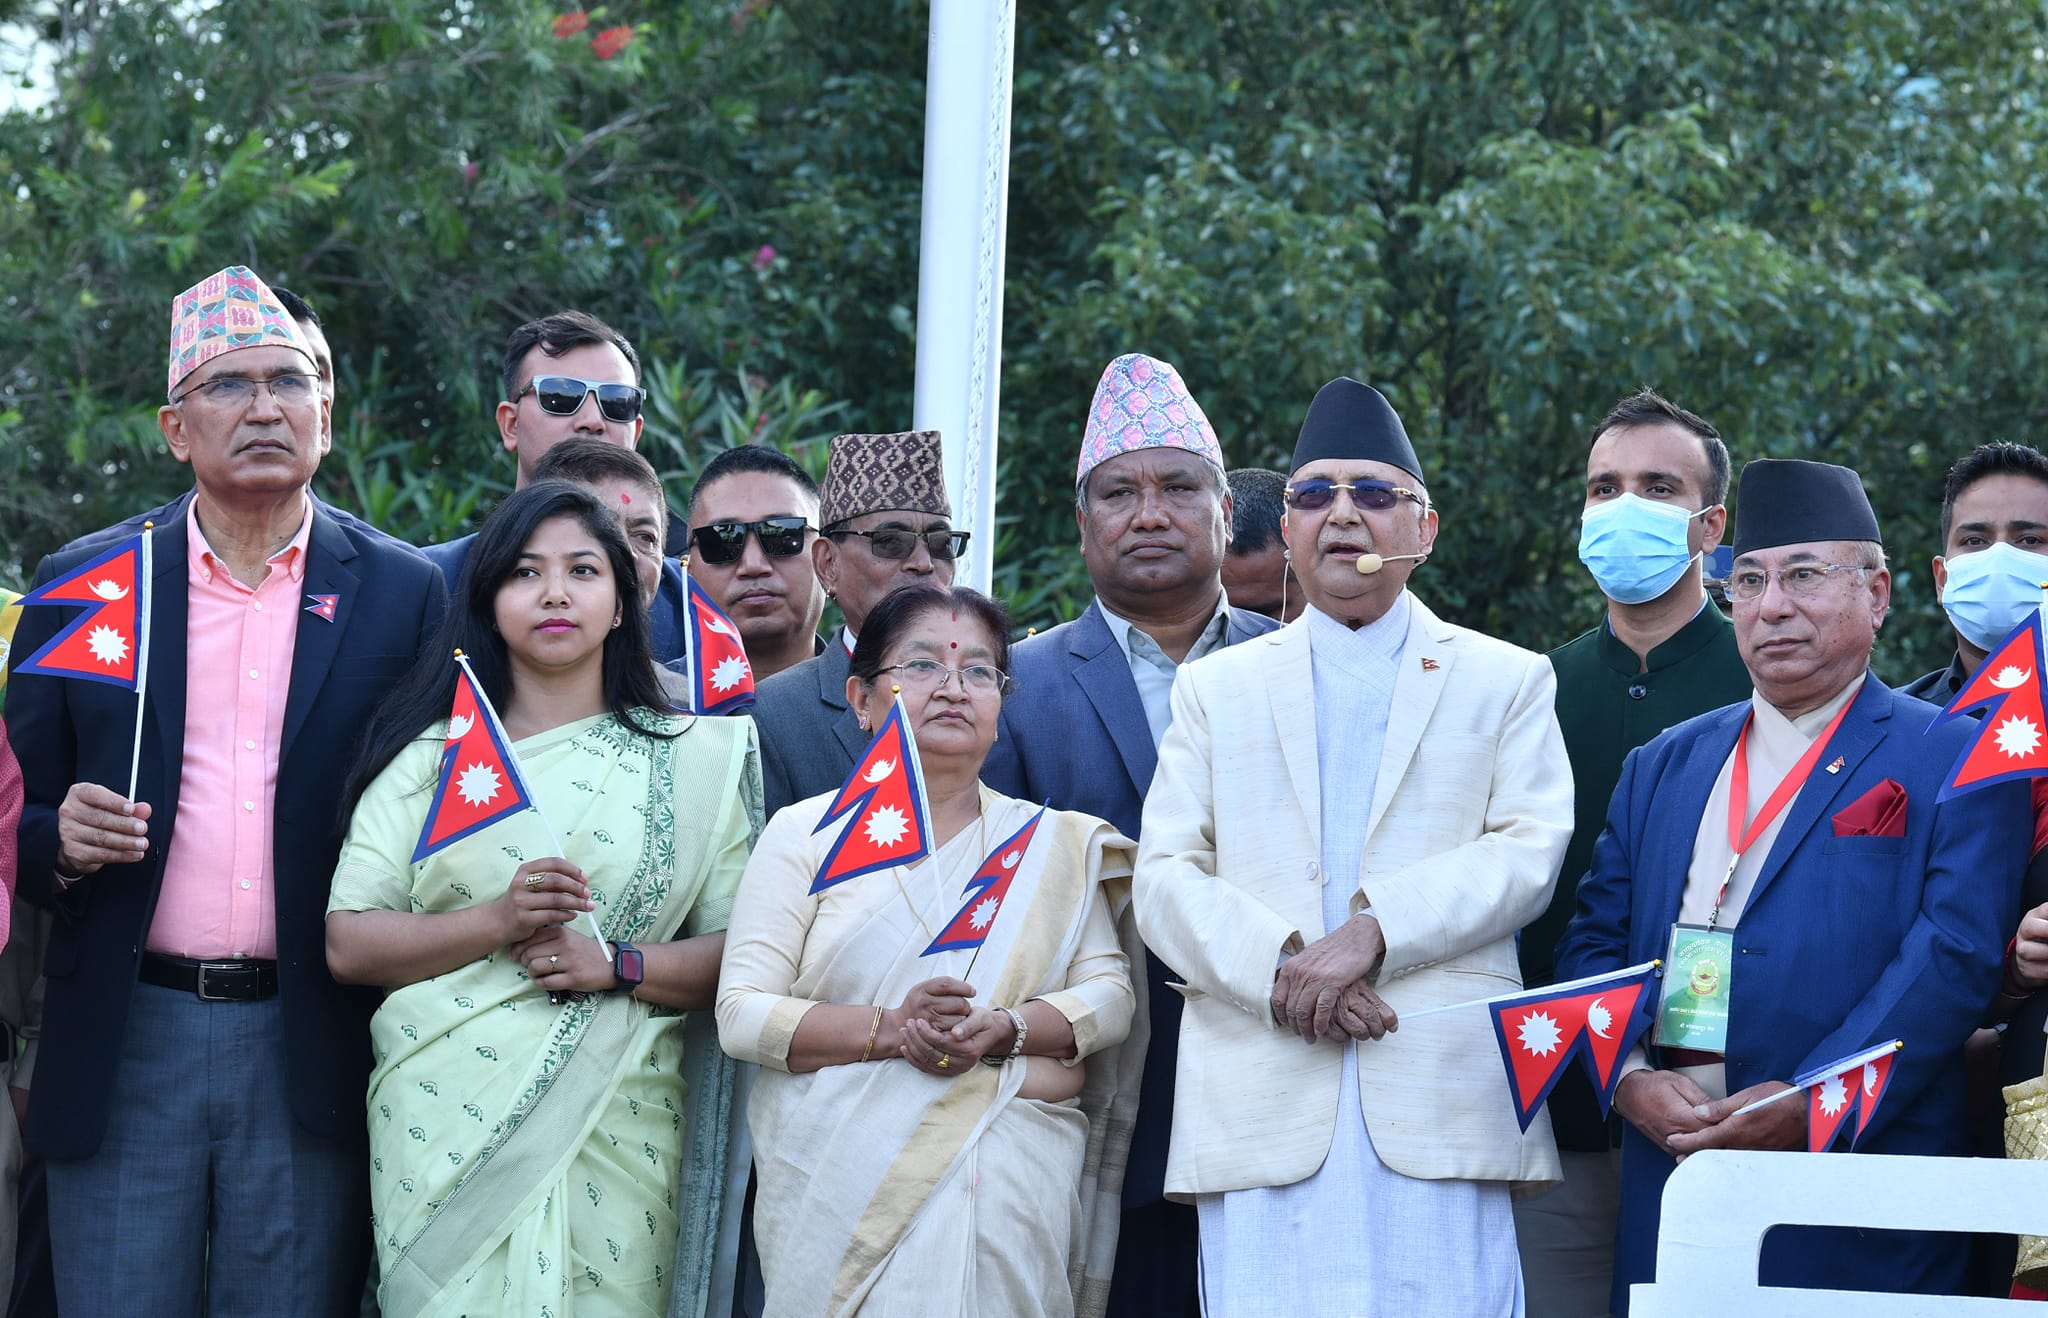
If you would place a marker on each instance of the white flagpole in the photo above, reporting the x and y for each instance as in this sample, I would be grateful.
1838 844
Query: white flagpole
143 583
972 50
1846 1065
1587 982
490 712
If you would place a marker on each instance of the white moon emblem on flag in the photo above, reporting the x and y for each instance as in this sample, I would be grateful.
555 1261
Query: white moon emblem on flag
886 827
478 784
2017 736
719 625
2010 676
879 770
1539 1034
107 645
1598 1019
1010 859
459 726
1869 1080
109 590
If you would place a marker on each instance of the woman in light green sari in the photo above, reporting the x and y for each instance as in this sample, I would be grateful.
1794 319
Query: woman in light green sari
897 1173
528 1157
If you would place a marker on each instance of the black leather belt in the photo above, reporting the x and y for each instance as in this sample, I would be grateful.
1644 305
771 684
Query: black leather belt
211 981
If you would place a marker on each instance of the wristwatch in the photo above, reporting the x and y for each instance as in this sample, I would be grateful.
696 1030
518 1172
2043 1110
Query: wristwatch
629 966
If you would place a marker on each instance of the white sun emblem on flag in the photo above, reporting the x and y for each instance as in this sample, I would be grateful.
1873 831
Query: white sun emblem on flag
478 784
887 826
2017 736
107 645
1834 1095
727 674
1540 1034
984 913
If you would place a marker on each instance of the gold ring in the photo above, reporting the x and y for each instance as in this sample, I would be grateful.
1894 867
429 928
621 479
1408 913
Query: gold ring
552 961
945 1060
535 880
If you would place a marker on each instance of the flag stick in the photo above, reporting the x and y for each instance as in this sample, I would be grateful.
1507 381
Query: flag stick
555 841
1767 1100
1586 982
142 587
1846 1064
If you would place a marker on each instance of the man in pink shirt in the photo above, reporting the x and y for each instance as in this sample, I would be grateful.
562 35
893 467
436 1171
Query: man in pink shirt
200 1077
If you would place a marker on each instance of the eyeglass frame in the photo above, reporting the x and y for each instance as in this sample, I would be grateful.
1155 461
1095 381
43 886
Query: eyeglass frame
958 546
1778 573
1004 682
1371 485
256 384
802 528
590 387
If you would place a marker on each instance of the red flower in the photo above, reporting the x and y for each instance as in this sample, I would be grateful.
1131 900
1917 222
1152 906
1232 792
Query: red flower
764 257
612 40
569 24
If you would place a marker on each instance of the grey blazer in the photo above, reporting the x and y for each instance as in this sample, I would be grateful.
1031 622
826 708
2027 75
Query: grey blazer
809 738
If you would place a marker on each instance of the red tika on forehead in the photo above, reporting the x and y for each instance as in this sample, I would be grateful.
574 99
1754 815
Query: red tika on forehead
625 498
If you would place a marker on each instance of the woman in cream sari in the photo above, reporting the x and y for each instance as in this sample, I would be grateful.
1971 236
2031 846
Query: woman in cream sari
531 1156
897 1173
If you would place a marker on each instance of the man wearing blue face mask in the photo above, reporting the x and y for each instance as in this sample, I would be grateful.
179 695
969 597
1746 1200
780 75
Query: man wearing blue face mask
1656 479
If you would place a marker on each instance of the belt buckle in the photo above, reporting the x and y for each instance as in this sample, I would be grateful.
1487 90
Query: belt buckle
223 967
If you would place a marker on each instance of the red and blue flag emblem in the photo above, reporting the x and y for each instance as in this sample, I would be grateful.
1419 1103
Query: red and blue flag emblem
105 642
2012 740
1598 1018
884 795
1853 1084
721 679
480 782
985 893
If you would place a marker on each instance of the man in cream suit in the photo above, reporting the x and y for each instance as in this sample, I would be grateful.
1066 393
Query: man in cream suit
1350 819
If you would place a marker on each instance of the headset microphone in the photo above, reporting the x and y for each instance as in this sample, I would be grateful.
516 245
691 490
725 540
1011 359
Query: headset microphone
1368 564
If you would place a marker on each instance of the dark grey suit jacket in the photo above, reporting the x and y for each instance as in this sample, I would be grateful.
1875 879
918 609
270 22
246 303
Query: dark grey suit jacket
809 738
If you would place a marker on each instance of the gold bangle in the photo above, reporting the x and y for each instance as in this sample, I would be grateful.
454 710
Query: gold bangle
874 1028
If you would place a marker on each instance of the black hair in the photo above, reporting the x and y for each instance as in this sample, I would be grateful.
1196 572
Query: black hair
565 331
586 461
424 695
757 458
297 307
1984 461
1257 498
888 620
1646 407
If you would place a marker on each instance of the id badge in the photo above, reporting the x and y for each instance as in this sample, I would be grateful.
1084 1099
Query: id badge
1692 1006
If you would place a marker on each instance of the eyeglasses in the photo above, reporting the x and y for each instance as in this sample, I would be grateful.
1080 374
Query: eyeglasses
563 395
1378 496
930 675
723 542
238 391
895 542
1802 579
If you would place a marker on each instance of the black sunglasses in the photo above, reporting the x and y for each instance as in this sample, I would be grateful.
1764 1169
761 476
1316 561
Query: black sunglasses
1376 496
895 542
723 542
563 395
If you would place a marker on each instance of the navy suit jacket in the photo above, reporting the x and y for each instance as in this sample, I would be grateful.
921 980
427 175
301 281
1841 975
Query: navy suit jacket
809 735
66 731
1845 942
1074 733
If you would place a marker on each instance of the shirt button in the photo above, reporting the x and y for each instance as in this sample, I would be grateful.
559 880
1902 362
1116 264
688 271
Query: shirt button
252 673
245 885
257 605
248 745
1636 690
248 805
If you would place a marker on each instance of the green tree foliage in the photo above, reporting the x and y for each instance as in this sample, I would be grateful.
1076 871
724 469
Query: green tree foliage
1819 222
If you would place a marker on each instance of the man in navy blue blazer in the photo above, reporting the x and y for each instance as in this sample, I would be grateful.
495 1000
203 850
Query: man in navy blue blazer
1856 907
1084 724
198 1094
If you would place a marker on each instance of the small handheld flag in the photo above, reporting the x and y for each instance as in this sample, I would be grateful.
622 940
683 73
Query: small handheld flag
2012 741
985 892
721 679
1850 1084
891 822
480 782
105 642
1598 1018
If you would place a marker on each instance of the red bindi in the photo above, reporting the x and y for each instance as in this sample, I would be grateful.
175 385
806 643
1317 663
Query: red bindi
954 644
625 498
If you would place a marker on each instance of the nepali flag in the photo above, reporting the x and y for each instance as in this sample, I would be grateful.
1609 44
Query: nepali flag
1598 1018
721 679
480 782
885 796
2012 740
1852 1084
107 641
985 893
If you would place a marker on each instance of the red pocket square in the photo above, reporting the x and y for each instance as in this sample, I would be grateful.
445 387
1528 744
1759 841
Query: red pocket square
1879 812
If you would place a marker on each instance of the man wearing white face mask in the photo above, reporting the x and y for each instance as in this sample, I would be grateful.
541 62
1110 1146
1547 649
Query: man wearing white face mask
1656 479
1994 534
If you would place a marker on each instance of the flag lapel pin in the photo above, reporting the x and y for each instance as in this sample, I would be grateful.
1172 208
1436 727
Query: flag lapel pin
1430 665
323 605
1836 767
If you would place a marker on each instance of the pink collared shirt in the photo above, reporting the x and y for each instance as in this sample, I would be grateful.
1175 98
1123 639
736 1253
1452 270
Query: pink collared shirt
219 892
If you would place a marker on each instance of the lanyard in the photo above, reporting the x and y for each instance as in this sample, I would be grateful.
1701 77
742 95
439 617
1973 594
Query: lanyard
1740 839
